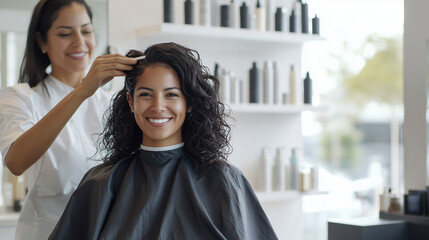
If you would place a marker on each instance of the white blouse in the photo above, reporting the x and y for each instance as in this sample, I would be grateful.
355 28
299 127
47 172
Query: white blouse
53 178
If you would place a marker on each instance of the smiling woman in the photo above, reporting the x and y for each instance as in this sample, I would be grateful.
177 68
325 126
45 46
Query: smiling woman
166 174
47 122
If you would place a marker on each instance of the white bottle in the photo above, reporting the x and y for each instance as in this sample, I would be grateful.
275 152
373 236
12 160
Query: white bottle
292 86
235 15
385 200
215 13
298 20
276 84
279 170
267 79
270 8
205 13
266 170
235 88
225 87
260 17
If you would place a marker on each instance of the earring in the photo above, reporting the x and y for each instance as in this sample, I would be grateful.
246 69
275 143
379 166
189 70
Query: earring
189 110
43 51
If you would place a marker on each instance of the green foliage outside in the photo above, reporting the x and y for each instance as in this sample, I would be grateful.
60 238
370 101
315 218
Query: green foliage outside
379 81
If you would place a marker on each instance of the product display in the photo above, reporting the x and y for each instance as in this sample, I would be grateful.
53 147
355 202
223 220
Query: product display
205 16
168 11
268 82
189 12
254 84
266 167
298 19
234 15
225 13
244 16
260 17
292 86
276 84
292 22
225 87
270 11
278 25
279 170
304 18
215 13
293 170
385 200
307 89
315 25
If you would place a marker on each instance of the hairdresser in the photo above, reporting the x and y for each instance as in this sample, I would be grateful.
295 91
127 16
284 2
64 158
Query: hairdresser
48 122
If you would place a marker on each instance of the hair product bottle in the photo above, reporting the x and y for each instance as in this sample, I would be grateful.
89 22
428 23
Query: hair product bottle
244 16
304 17
298 20
293 170
225 13
292 22
225 87
268 82
235 21
189 12
307 89
292 86
215 13
279 170
205 16
315 25
168 11
278 25
254 84
270 9
276 84
267 168
260 17
235 88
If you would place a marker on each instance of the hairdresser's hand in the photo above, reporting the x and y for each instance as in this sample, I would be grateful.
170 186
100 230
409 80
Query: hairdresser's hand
104 69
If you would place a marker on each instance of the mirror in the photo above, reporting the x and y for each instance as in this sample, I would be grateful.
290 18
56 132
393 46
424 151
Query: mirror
14 20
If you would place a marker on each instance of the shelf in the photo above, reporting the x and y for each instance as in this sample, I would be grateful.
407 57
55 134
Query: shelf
416 219
169 30
271 108
281 196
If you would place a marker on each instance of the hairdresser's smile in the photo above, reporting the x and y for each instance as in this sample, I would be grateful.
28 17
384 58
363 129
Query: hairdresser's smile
159 106
77 55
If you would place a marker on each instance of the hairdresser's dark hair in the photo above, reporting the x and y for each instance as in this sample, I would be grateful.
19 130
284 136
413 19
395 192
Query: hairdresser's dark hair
34 63
205 132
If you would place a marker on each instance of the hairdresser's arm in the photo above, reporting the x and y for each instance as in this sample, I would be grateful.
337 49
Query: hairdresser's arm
32 144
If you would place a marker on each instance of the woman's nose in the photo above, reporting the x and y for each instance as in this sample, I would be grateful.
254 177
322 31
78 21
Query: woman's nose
78 39
158 104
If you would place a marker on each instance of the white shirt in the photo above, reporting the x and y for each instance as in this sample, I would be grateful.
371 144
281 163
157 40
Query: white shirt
53 178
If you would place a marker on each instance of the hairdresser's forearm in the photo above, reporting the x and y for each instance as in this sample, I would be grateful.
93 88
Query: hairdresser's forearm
32 144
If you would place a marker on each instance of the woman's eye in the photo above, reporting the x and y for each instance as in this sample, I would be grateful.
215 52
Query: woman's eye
172 95
64 34
144 94
87 32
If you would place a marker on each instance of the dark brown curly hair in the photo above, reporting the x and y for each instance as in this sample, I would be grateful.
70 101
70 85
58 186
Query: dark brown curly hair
205 131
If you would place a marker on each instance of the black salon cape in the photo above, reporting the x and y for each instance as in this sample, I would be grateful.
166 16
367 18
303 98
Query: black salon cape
163 195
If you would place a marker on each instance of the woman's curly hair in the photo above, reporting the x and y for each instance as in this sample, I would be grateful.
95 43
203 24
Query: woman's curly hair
205 132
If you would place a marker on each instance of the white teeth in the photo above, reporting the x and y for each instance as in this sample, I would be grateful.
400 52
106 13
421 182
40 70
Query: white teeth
77 54
163 120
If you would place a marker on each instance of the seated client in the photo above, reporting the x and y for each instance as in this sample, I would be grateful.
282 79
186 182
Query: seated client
165 174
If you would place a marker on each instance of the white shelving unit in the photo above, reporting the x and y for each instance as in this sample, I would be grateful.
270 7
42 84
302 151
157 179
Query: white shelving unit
254 126
279 109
